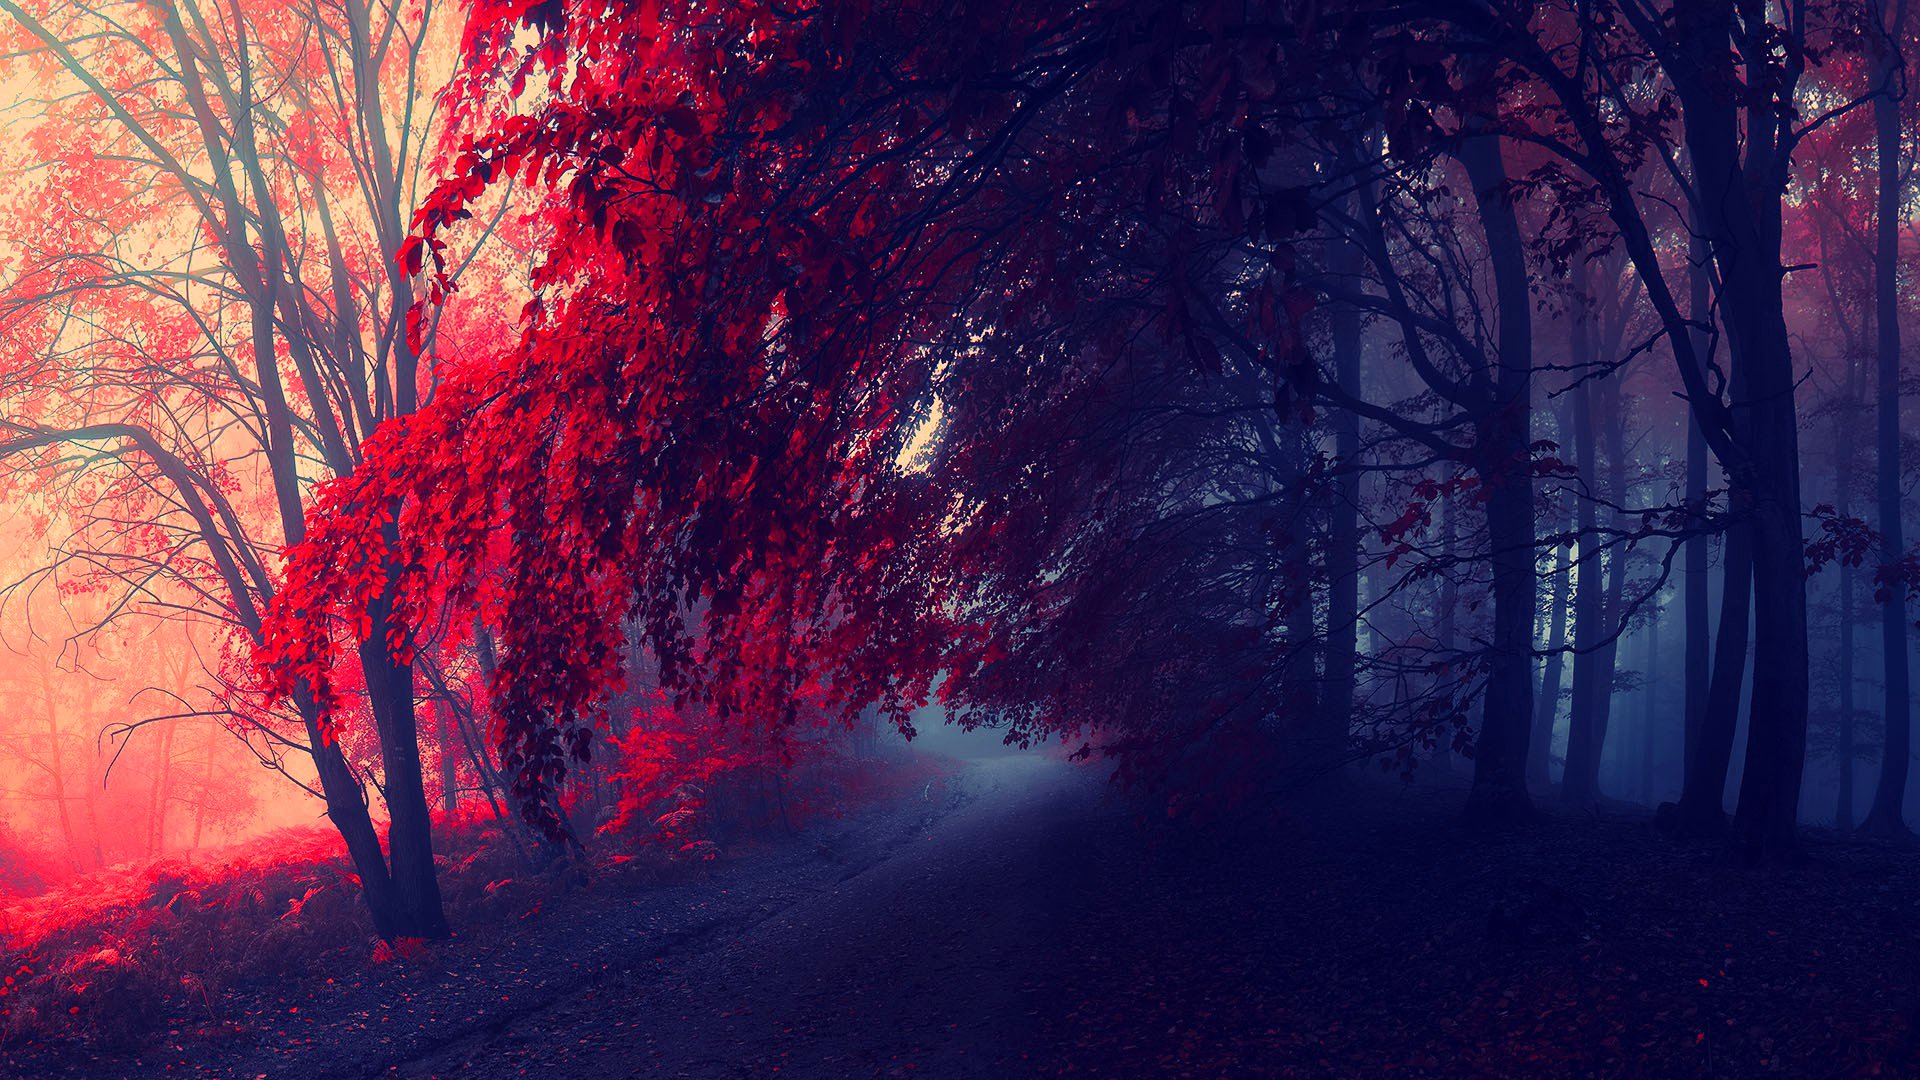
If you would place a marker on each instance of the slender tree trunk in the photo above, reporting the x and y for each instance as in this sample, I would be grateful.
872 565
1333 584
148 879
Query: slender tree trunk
1586 722
1607 580
1650 719
56 768
1846 417
161 793
1846 746
206 790
1581 775
347 809
1547 706
1887 816
1447 632
92 804
1694 597
449 761
1343 518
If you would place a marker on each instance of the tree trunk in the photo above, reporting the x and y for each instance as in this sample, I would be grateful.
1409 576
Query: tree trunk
1586 723
1547 706
160 795
1446 634
1694 597
1766 817
1703 795
1650 721
1343 518
1845 419
1505 438
347 809
206 789
1846 745
56 769
1604 579
449 761
1741 173
1888 813
390 685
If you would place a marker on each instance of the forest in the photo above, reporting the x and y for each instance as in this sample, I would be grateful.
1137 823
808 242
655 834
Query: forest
958 538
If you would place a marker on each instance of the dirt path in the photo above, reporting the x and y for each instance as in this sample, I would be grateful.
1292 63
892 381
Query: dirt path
1016 921
911 939
930 957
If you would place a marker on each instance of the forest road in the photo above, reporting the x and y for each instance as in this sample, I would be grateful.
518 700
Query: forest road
942 941
1020 920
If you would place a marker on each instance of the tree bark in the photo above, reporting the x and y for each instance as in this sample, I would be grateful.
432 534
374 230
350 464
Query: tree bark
1547 705
1846 417
1703 795
449 761
1887 816
1586 722
1499 792
1741 173
1650 720
1343 516
1446 631
390 685
1694 596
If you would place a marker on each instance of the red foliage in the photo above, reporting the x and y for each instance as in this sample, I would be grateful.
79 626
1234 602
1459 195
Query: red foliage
100 952
106 954
687 782
820 379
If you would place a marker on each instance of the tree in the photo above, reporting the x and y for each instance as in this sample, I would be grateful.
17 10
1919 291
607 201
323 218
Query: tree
225 234
1887 815
827 288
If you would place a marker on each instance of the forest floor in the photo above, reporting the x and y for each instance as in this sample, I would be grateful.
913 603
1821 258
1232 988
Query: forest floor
1016 920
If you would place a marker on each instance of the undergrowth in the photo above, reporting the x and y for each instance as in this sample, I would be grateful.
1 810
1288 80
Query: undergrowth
105 957
102 956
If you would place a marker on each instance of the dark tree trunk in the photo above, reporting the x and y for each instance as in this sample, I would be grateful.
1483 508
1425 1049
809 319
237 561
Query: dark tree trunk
1547 705
1766 817
1694 598
1343 516
449 761
1500 753
1601 577
1650 719
1579 781
1846 417
1846 746
1703 795
1741 172
1888 813
1447 601
390 686
347 809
